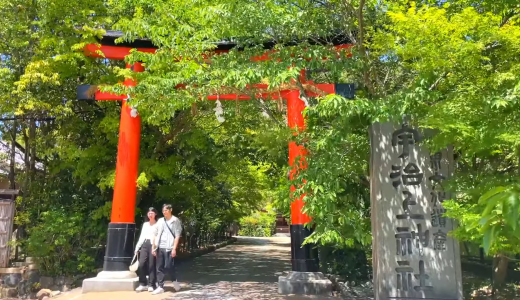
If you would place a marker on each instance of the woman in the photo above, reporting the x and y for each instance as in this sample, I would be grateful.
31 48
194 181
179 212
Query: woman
146 259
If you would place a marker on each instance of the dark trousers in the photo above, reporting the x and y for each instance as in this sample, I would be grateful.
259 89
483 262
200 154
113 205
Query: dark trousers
165 265
147 265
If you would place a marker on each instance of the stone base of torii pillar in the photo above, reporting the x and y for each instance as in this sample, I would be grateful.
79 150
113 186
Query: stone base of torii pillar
305 278
304 283
111 281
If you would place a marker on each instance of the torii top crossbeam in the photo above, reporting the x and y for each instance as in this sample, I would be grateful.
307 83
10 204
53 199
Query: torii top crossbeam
111 50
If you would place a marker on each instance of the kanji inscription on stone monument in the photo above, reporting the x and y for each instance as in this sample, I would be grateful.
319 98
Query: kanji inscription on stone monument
414 257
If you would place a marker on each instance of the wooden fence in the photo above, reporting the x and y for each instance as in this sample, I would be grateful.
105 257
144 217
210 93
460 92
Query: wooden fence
7 209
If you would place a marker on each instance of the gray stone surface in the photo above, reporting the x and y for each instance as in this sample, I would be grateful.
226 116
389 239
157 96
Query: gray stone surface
97 284
11 279
410 259
59 283
46 282
304 283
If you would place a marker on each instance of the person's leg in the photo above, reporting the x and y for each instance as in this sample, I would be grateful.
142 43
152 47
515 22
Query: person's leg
143 268
173 275
171 270
160 271
152 271
160 268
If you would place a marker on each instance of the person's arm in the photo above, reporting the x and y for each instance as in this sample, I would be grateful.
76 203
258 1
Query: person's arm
157 234
141 238
177 229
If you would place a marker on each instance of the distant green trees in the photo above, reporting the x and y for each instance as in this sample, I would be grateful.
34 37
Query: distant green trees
259 224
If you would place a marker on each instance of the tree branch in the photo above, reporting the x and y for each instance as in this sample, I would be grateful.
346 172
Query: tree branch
269 113
22 149
436 83
351 11
508 17
361 46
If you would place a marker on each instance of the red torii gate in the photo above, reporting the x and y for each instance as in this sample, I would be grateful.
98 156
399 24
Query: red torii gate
121 230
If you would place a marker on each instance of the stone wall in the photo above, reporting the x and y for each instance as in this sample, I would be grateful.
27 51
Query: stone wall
19 282
23 281
60 283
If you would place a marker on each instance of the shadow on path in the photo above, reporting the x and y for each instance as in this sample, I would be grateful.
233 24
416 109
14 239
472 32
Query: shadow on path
248 269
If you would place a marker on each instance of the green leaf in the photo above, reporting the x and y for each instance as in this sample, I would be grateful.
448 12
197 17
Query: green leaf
495 202
489 238
511 205
490 194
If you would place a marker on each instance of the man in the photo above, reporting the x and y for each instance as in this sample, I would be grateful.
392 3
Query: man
168 234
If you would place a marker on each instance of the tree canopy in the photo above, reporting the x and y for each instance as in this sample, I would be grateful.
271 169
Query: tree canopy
452 66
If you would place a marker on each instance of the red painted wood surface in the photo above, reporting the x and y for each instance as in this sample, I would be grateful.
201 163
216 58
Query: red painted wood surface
127 167
295 107
119 52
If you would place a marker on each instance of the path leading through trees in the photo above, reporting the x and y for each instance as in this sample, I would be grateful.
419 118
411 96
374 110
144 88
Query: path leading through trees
248 269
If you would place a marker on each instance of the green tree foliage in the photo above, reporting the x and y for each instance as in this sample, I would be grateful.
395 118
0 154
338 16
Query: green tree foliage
212 173
260 223
450 65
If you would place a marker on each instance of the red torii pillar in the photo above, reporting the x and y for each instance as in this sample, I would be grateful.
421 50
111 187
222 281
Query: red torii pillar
121 230
120 240
303 259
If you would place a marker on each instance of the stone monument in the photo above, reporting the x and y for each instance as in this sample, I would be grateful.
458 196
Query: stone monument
413 256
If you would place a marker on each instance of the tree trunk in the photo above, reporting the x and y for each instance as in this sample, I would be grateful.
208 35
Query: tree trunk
466 248
12 166
27 161
500 264
32 149
12 178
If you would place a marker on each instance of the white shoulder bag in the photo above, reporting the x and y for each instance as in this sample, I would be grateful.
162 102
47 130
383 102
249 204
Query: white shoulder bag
134 265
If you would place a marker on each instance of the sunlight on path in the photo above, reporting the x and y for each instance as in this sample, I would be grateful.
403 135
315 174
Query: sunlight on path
248 269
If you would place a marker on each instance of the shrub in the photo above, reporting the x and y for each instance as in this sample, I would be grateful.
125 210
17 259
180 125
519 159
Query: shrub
259 224
67 242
